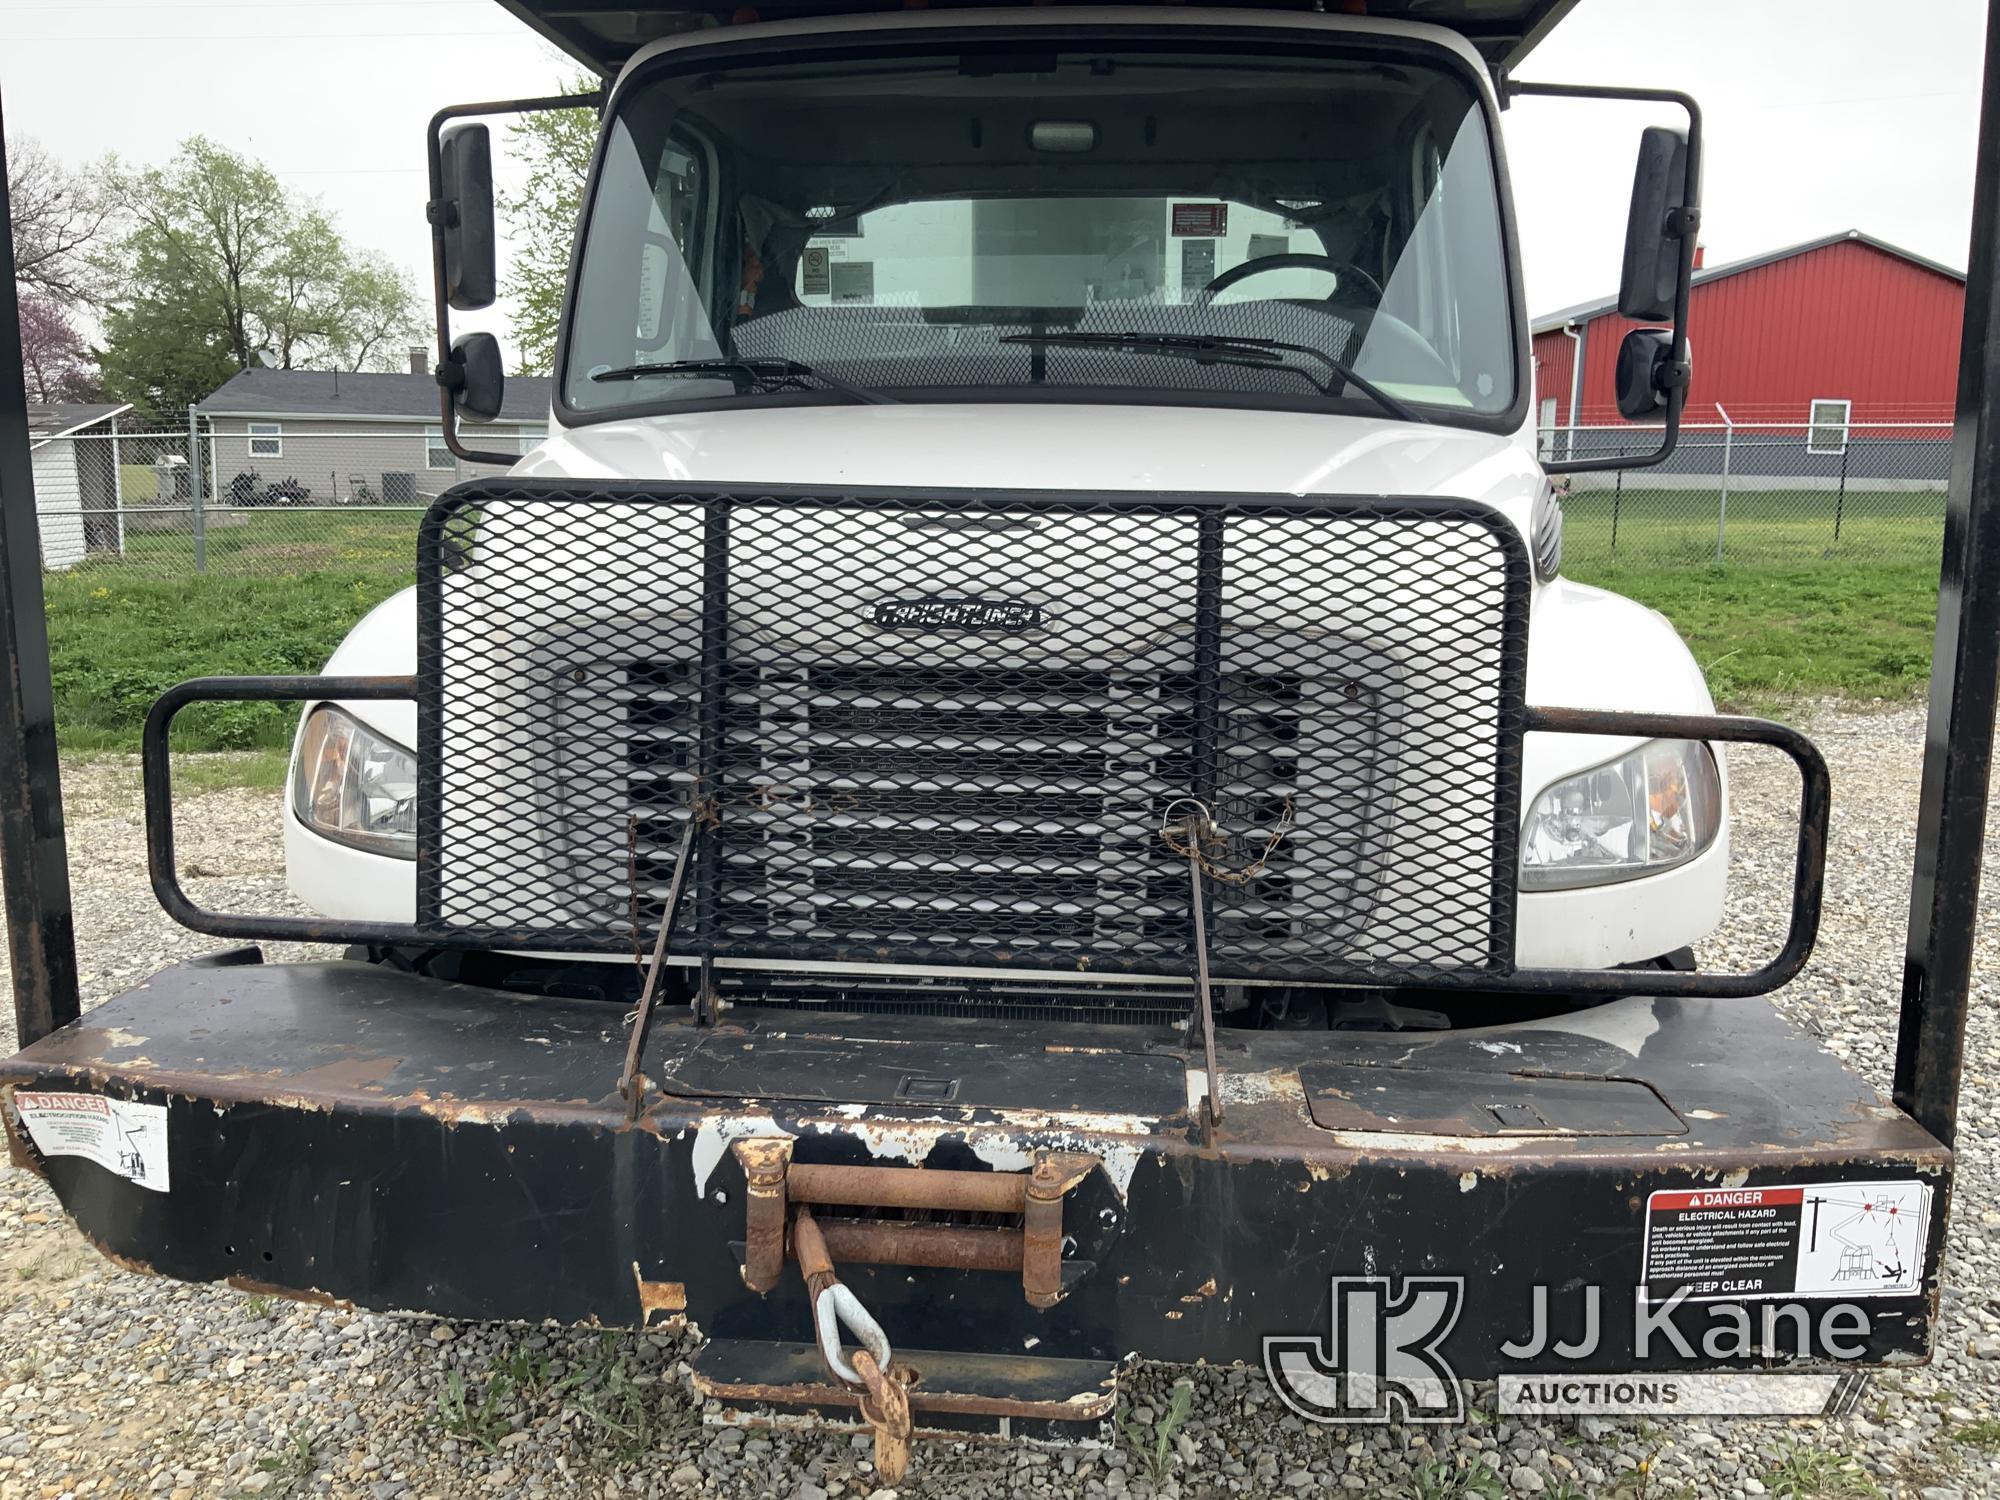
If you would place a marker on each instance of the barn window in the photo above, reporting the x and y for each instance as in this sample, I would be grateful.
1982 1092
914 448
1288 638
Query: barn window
436 454
267 440
1826 428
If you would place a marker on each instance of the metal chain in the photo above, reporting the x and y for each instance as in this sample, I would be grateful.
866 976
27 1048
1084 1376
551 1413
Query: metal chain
1197 838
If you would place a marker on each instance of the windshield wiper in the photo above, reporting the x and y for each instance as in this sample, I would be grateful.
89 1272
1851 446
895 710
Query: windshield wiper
1226 350
747 375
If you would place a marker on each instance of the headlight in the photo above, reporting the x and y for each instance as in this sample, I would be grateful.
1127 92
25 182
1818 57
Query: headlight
354 787
1656 808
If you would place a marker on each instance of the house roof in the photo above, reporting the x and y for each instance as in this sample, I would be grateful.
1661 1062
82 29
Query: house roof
603 36
359 396
1584 311
65 417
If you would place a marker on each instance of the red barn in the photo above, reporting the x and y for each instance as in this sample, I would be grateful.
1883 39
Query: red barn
1847 318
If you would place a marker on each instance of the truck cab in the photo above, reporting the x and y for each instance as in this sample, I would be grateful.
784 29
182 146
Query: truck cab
1134 251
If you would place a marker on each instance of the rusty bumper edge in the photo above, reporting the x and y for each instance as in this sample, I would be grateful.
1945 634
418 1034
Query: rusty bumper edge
318 1144
1084 1407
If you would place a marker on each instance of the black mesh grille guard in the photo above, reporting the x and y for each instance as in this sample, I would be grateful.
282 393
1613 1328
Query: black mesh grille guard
970 729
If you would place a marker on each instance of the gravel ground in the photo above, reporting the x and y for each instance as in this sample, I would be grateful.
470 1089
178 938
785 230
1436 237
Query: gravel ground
113 1384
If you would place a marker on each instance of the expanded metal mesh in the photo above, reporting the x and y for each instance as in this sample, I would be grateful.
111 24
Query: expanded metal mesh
975 729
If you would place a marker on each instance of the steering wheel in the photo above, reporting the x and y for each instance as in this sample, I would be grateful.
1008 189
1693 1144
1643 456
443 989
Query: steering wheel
1296 261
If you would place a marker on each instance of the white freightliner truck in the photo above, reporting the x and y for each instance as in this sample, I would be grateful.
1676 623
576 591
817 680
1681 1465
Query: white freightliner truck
1021 749
1265 252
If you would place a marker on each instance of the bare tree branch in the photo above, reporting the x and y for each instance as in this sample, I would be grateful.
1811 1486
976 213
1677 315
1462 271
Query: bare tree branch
58 214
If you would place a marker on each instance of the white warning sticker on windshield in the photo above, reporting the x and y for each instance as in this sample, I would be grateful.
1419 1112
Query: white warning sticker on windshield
119 1135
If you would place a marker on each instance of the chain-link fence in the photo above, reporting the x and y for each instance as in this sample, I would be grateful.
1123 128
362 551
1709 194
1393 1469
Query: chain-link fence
1739 495
255 547
270 500
242 498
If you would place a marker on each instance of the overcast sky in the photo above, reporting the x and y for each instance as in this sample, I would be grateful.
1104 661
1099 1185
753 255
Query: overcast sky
1814 124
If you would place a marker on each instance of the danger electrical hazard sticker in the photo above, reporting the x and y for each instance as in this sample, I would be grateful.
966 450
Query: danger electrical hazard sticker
120 1135
1821 1239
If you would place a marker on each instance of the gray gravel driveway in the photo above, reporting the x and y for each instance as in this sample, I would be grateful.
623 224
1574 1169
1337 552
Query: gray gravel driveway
114 1384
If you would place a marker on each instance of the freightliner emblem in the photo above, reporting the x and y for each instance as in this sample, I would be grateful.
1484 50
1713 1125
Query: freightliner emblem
957 614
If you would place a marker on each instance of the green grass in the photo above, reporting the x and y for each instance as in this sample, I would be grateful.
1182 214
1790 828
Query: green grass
1794 610
259 770
280 593
138 483
1151 1441
1791 614
1838 628
290 1469
279 542
1765 527
1806 1473
1442 1479
1984 1433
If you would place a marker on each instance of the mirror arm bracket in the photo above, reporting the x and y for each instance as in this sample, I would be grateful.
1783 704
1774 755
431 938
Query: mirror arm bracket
441 214
1674 373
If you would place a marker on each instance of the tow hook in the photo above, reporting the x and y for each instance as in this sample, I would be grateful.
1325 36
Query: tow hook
779 1224
883 1398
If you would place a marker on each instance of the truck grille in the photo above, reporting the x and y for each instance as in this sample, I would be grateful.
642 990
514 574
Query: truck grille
974 732
1018 809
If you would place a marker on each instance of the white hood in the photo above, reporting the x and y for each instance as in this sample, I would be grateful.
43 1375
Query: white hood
1046 446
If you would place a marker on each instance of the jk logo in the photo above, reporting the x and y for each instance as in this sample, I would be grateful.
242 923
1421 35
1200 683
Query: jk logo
1379 1359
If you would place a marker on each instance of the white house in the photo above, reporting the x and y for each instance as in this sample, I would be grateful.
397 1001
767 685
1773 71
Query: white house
346 436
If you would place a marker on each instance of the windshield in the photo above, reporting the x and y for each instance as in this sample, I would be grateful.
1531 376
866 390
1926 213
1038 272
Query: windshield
960 223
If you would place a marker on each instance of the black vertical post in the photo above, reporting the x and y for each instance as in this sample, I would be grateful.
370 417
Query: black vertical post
1965 675
1205 699
1840 504
34 861
712 727
1617 501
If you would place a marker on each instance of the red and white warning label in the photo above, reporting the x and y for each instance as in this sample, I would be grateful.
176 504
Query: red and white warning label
118 1134
1821 1239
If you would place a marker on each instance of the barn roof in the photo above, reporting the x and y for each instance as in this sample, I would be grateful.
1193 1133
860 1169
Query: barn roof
603 34
358 396
1584 311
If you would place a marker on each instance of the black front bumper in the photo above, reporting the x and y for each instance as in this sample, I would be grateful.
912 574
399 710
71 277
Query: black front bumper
342 1131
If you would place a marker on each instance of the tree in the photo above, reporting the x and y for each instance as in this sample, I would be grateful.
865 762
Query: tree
379 305
163 355
555 145
217 263
57 215
54 358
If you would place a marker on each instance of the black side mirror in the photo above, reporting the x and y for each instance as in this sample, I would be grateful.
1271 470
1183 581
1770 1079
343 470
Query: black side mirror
1647 376
466 217
475 376
1654 231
